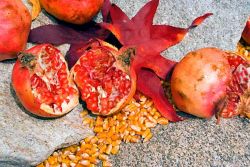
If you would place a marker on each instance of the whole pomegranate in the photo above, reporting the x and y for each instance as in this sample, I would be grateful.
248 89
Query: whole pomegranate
200 80
42 82
15 22
73 11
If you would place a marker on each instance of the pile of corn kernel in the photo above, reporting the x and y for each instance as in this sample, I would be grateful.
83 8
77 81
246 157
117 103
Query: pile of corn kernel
133 124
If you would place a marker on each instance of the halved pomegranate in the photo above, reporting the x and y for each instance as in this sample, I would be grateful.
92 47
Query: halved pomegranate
103 78
42 82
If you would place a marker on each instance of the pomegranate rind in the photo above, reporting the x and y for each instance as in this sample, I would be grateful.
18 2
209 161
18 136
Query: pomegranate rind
78 11
15 23
21 82
199 82
125 100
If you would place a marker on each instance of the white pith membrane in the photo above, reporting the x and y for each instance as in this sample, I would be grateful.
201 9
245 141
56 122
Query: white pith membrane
54 84
103 87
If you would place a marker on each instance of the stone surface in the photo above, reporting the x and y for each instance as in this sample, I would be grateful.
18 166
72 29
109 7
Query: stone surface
26 140
194 142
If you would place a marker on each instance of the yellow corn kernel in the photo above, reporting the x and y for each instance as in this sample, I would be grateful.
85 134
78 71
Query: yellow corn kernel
86 146
146 132
103 157
72 157
84 113
115 149
135 128
148 104
87 139
40 165
93 160
149 124
103 148
85 155
108 149
99 121
115 137
52 160
106 164
98 129
94 140
162 121
116 142
84 162
148 137
135 139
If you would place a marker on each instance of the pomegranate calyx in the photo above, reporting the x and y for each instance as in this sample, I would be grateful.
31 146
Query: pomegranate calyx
126 57
27 60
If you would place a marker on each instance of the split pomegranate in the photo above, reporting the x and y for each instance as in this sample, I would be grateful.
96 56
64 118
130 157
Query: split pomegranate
15 21
238 91
42 82
199 82
104 81
72 11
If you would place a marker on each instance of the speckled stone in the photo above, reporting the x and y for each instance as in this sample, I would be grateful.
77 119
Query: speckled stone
194 142
26 140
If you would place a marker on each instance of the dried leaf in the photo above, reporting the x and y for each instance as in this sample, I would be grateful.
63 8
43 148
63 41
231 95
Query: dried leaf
36 8
61 34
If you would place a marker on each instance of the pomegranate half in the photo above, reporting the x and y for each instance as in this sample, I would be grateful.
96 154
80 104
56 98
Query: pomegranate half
103 78
42 82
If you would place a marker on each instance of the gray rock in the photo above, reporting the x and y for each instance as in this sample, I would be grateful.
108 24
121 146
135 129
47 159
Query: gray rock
26 140
194 142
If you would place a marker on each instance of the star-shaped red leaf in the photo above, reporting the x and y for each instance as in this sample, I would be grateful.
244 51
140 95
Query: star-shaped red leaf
149 40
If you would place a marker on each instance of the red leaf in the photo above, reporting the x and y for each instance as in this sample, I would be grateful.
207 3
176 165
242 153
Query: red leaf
150 85
62 34
105 10
160 65
149 40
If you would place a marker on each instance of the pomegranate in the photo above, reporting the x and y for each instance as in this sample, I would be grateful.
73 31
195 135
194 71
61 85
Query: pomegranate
15 22
199 82
42 82
103 78
72 11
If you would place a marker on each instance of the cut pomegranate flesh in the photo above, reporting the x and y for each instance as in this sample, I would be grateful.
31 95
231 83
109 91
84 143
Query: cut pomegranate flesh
50 81
238 91
103 86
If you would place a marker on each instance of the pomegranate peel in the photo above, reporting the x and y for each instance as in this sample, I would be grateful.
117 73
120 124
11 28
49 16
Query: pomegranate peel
42 82
199 82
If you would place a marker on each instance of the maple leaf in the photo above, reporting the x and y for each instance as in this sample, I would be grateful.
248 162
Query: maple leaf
149 40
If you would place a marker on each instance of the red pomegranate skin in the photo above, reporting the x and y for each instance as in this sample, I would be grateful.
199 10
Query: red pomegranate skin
199 82
15 22
72 11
